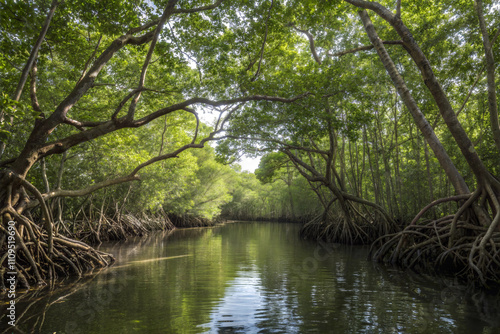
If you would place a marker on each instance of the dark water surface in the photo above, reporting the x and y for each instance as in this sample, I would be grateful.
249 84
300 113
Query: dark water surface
253 278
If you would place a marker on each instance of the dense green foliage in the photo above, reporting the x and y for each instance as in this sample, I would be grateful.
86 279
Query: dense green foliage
248 48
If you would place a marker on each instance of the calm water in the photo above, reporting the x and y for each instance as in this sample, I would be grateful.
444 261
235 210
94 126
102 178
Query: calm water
252 278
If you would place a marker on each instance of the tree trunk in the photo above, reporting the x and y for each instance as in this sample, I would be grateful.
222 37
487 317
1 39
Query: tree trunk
457 131
431 138
490 74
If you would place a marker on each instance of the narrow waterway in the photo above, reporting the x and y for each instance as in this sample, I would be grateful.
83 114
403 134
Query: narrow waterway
253 278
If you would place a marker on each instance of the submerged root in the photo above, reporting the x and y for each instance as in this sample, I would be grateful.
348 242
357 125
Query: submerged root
459 243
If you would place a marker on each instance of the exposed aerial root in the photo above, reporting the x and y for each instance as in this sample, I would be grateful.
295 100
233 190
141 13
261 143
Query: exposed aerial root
118 227
458 243
34 264
358 229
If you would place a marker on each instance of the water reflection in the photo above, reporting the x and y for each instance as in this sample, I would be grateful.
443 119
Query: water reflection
254 278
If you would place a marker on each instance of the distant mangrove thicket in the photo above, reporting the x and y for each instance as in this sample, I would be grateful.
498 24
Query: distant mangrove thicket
377 123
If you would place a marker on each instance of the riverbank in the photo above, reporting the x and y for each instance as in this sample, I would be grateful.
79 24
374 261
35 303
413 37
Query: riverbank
123 226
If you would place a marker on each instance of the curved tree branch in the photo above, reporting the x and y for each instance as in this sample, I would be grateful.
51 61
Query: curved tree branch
362 48
165 16
311 43
199 9
104 128
82 192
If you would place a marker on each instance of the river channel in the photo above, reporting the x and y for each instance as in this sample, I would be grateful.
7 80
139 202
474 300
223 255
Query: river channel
253 278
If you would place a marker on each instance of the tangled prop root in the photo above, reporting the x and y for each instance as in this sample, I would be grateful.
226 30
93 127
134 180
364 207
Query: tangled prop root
459 243
35 263
118 227
36 252
357 230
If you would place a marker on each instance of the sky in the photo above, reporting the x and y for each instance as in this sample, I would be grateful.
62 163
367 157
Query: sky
249 164
207 116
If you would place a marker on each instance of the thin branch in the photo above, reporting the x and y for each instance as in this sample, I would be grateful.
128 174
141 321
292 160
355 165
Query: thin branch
479 75
176 153
229 114
163 136
398 8
34 51
64 144
195 114
263 43
311 43
143 27
199 9
34 100
29 64
176 11
276 141
165 16
88 190
61 170
11 64
90 59
101 84
44 175
200 74
124 101
219 119
362 48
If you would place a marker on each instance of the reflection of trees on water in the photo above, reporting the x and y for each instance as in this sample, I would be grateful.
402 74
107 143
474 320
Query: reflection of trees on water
32 306
448 293
308 290
122 250
306 286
